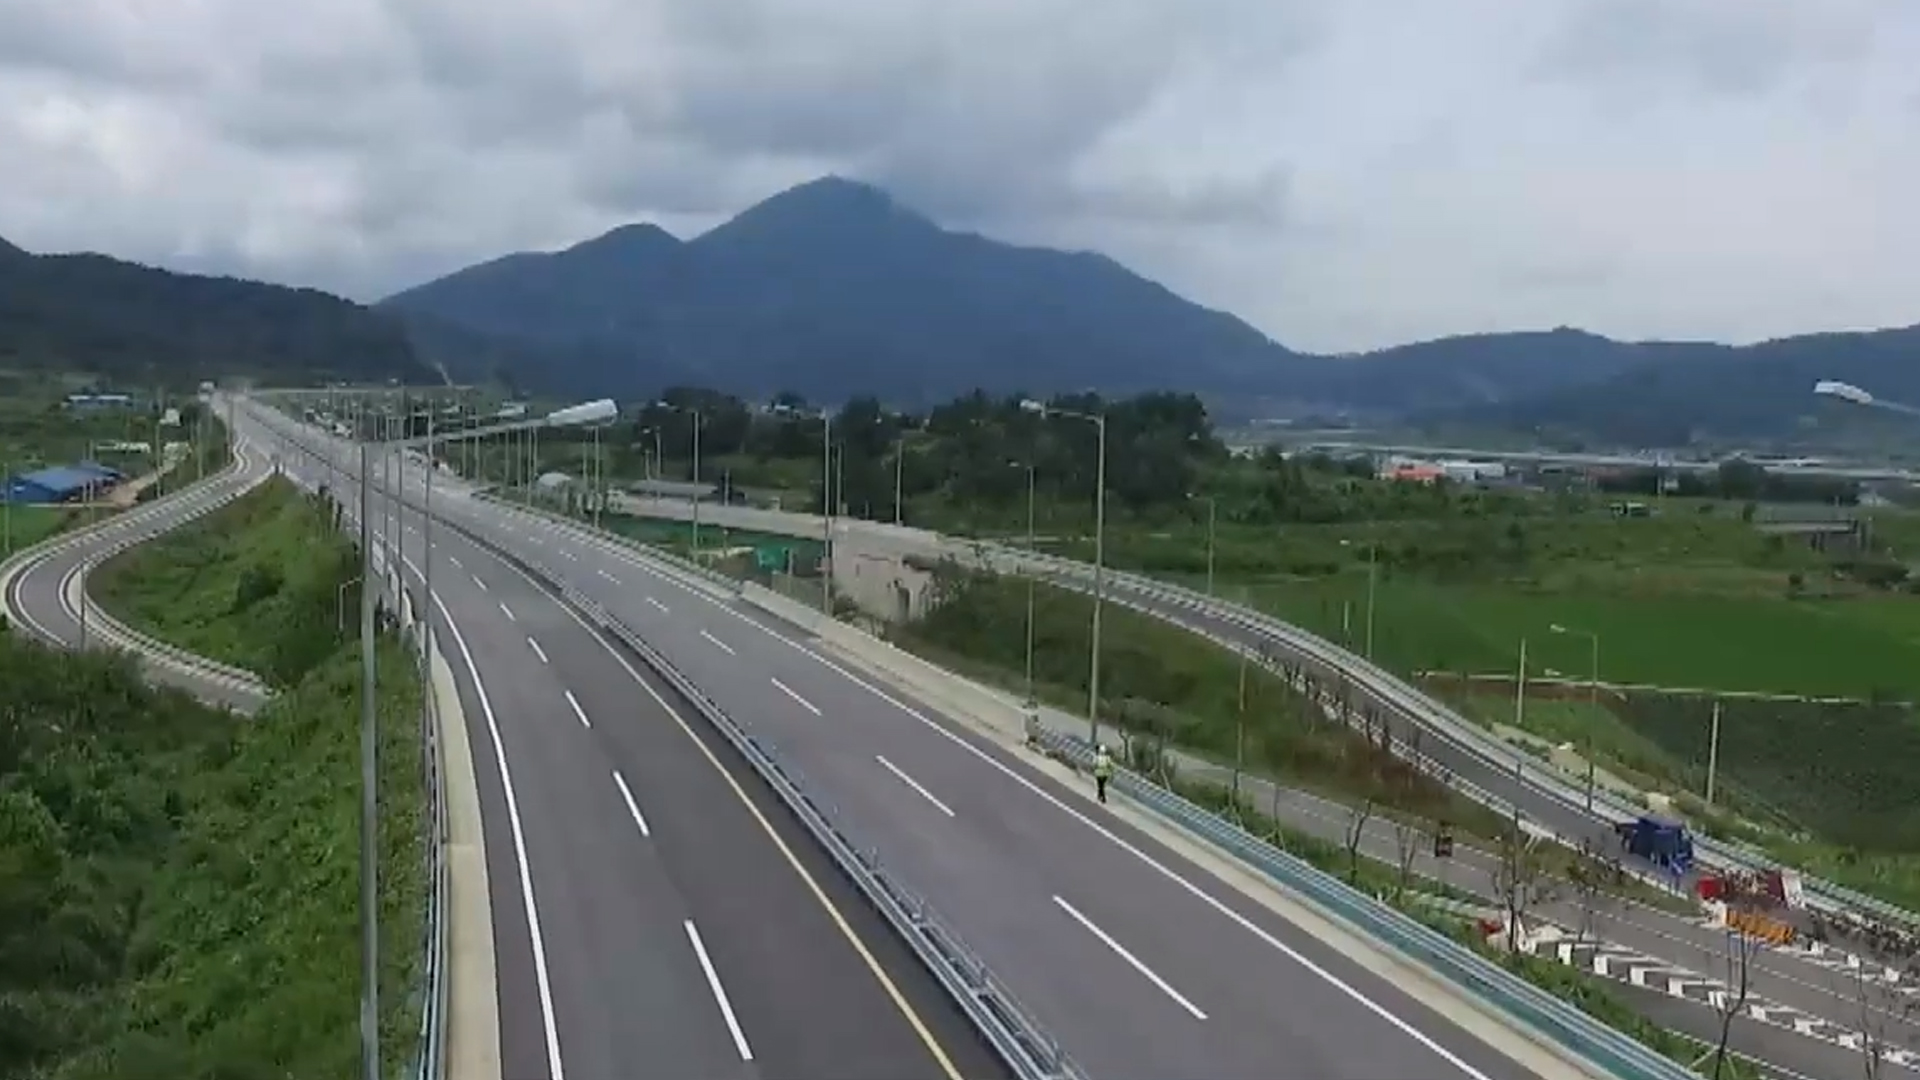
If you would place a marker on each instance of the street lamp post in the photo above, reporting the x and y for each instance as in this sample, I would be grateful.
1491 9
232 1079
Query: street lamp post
1033 704
1593 694
1099 421
826 507
693 495
1213 509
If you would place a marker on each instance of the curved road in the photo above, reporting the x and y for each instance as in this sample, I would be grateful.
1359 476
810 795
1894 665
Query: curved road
1140 962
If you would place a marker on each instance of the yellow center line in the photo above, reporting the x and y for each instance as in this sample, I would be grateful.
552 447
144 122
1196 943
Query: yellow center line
834 914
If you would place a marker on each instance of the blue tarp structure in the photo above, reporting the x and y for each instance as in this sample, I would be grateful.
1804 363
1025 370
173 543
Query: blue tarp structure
59 483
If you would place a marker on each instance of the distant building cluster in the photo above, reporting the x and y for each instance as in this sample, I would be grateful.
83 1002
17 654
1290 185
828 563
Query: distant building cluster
61 483
1417 471
99 402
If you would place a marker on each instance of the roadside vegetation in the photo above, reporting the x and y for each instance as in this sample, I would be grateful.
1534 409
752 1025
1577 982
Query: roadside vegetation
263 583
179 885
1169 690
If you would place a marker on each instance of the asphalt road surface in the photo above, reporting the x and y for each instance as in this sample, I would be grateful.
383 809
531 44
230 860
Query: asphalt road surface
1785 977
1139 962
655 911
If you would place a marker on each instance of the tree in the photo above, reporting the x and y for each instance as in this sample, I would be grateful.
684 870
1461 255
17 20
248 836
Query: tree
1732 1001
1409 835
1357 818
1519 878
1884 1006
1590 877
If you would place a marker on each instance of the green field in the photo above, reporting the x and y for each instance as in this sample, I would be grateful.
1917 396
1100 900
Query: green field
1856 647
28 525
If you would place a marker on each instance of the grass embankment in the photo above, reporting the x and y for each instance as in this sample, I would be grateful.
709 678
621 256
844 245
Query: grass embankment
1166 687
179 886
257 584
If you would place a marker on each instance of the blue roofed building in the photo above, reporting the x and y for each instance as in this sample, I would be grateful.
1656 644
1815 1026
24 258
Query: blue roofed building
60 483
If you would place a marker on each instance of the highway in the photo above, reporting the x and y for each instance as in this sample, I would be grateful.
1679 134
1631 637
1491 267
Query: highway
1141 963
1783 977
630 833
654 912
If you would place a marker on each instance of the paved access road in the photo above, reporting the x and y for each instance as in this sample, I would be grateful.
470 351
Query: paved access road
39 590
655 912
1142 964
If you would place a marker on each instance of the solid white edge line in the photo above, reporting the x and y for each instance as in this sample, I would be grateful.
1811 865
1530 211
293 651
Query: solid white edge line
1341 985
542 981
718 644
1132 960
577 710
915 785
632 807
789 691
719 992
538 651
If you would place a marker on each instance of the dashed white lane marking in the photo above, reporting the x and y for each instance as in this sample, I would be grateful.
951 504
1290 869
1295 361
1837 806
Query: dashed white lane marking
788 690
914 784
1121 951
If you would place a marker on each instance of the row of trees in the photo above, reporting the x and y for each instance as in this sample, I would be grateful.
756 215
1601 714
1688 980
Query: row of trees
1736 480
1164 459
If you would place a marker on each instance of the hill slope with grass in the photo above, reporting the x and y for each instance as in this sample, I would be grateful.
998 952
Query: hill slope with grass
256 584
179 885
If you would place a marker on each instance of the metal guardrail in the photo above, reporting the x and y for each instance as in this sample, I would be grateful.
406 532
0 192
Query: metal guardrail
1390 688
430 1058
1605 1047
1019 1040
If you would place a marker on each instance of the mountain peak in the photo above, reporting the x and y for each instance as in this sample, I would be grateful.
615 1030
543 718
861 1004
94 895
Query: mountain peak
642 236
830 205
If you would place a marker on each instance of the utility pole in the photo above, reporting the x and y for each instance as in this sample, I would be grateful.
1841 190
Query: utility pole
369 797
1713 750
826 507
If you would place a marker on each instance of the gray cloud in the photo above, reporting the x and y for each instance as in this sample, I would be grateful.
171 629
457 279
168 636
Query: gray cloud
1342 174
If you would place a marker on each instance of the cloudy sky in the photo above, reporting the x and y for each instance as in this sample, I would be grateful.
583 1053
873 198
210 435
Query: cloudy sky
1342 173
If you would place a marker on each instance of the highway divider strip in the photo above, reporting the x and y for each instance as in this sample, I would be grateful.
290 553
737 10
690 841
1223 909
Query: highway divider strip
1019 1040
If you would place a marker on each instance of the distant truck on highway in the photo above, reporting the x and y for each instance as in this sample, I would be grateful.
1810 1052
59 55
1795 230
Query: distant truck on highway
1665 843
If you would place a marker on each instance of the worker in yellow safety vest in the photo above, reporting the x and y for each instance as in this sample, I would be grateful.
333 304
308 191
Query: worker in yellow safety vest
1102 772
